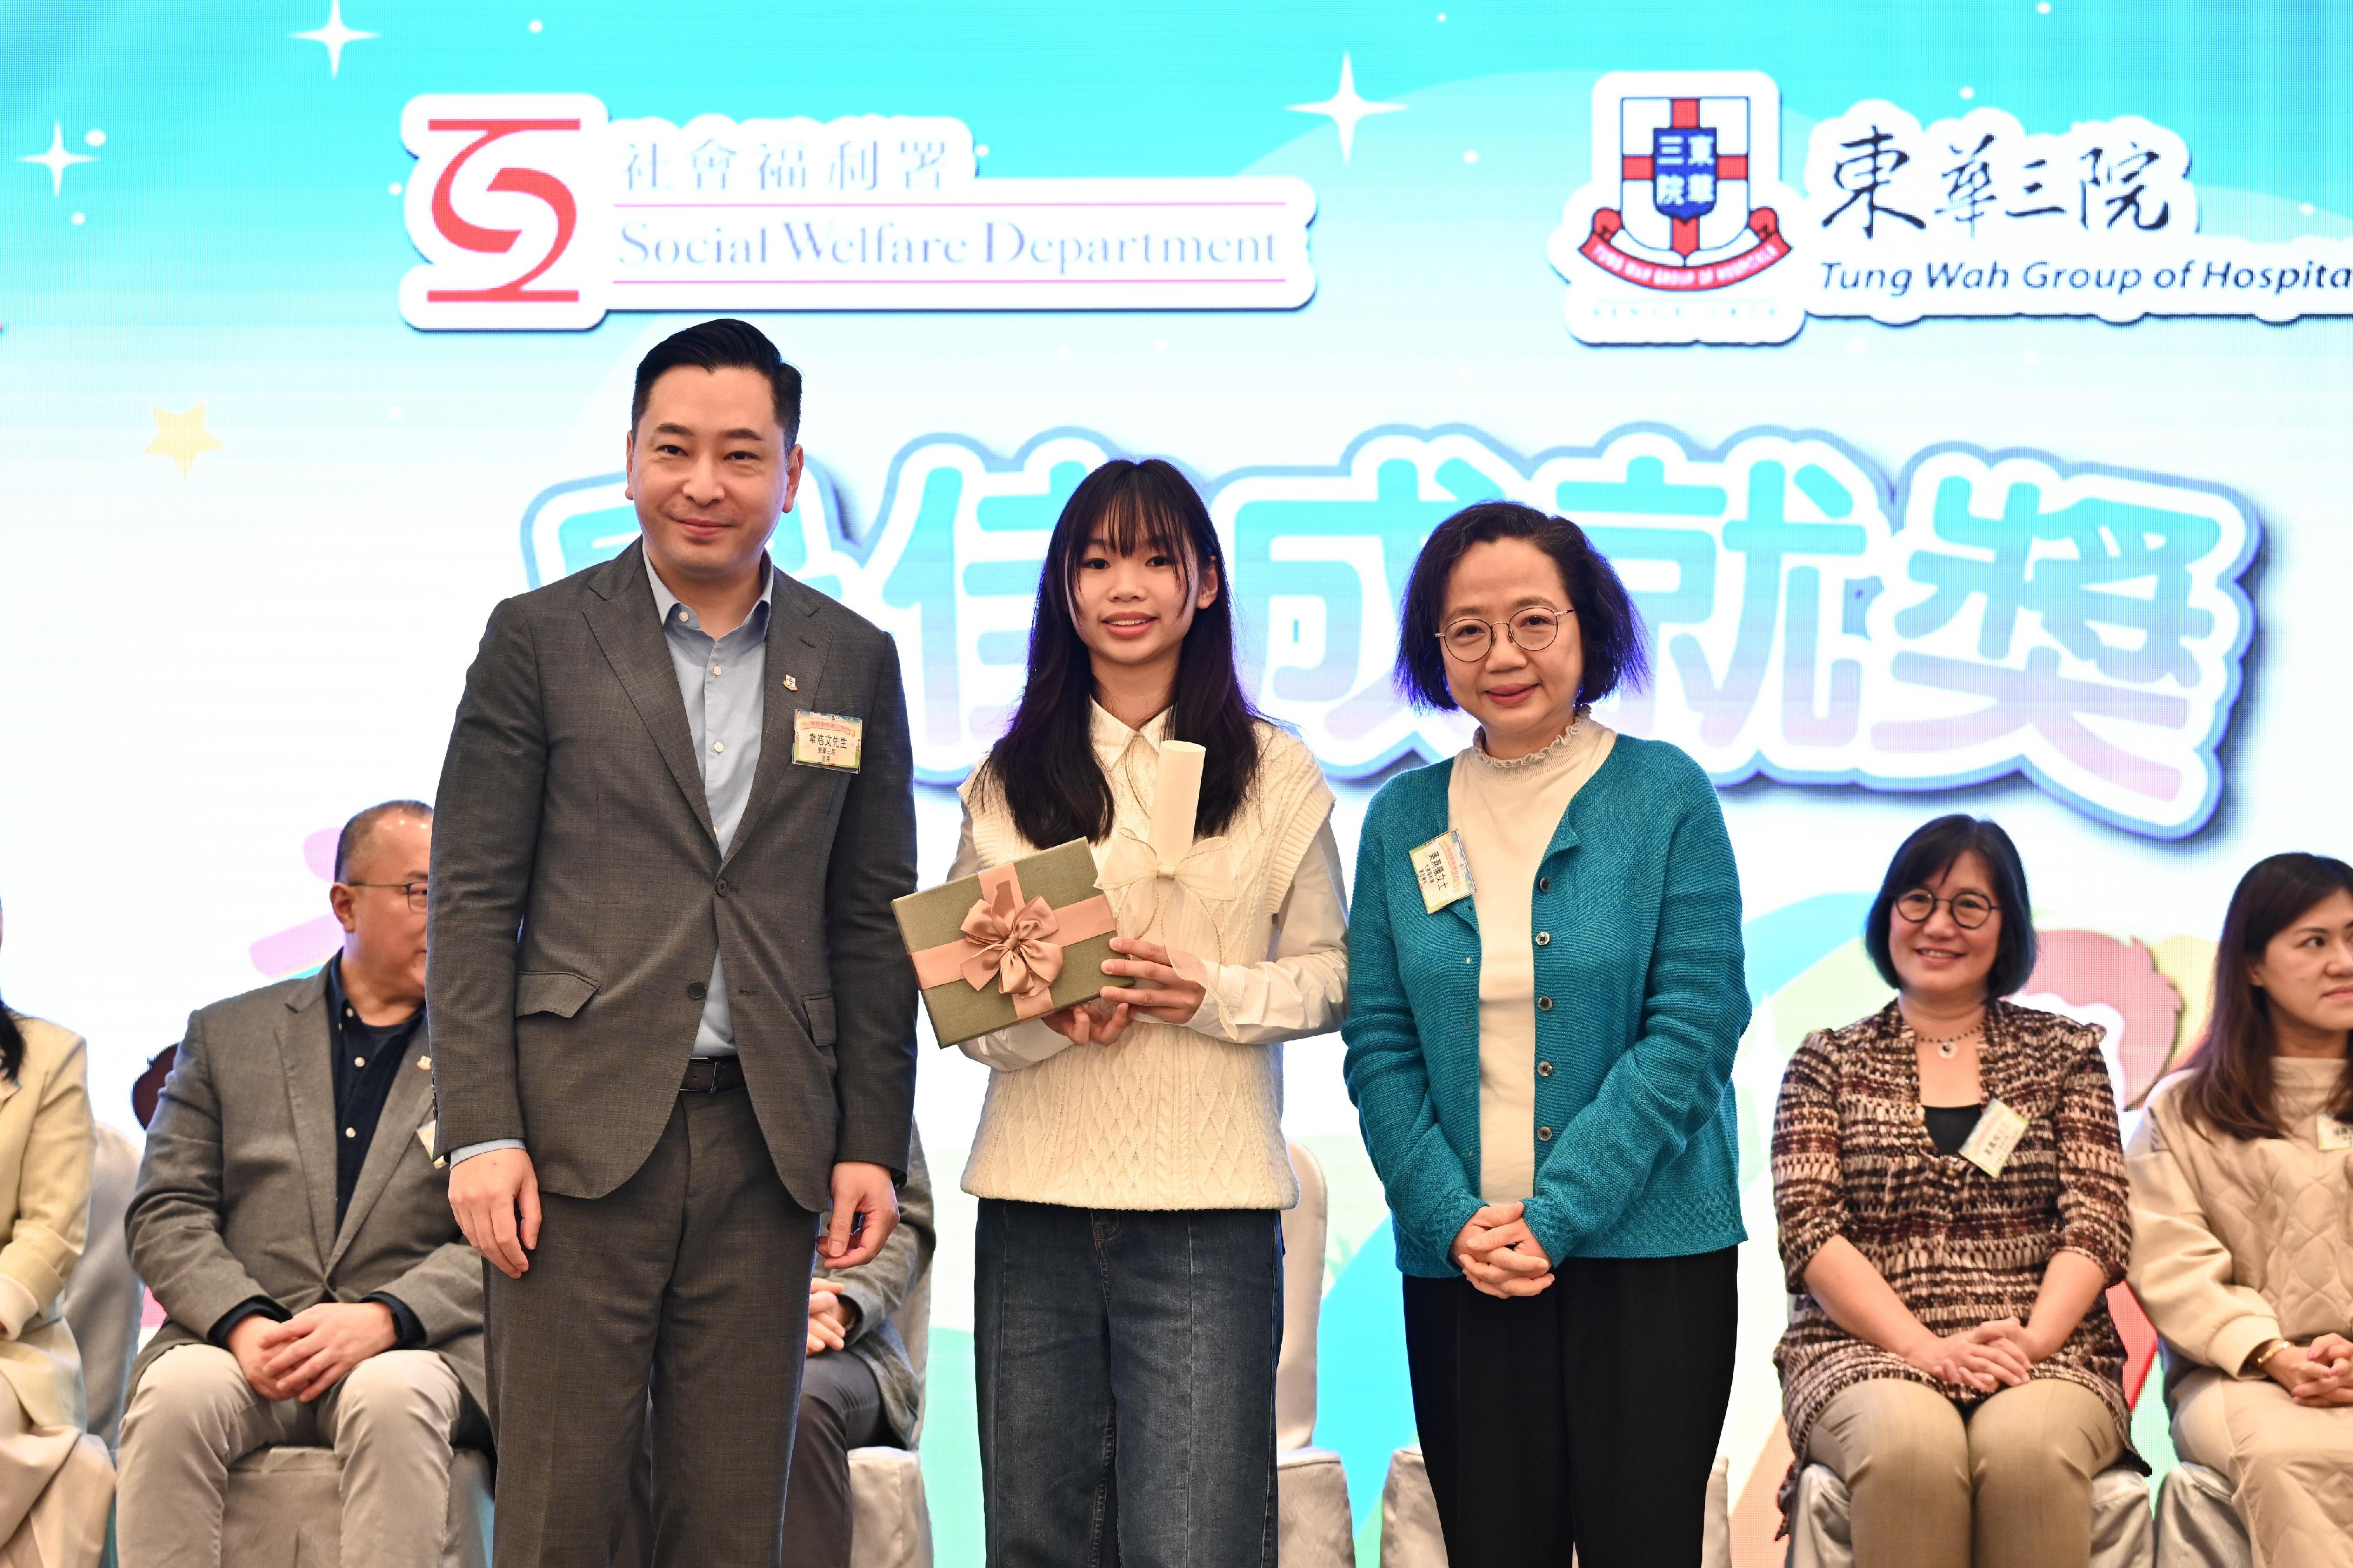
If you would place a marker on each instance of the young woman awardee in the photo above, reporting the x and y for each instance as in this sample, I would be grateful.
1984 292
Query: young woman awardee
2242 1177
1130 1161
1546 994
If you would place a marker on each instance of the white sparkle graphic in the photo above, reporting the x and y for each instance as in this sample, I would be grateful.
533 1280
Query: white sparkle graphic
1346 109
334 35
56 159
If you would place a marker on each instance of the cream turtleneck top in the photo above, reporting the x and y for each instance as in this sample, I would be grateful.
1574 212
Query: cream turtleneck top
1506 813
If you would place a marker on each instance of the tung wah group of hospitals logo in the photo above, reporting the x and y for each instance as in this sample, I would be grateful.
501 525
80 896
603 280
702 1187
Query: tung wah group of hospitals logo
1684 232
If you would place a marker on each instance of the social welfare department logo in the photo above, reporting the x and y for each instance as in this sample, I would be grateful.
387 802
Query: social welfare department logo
1685 218
535 212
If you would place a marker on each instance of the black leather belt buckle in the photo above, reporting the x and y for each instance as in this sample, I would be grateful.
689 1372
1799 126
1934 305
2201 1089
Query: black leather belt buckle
711 1075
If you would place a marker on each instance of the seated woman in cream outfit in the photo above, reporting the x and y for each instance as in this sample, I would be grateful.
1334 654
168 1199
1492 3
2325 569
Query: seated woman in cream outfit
2242 1216
56 1484
1949 1354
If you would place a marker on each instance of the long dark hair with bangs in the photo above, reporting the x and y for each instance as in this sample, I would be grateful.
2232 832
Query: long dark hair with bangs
2228 1084
1044 764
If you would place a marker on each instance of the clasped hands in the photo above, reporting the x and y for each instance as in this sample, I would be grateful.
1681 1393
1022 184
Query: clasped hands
1500 1255
1995 1355
2318 1375
1162 991
309 1353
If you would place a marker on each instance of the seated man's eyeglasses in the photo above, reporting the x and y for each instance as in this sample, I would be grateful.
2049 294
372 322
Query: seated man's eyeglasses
1970 910
1532 630
413 891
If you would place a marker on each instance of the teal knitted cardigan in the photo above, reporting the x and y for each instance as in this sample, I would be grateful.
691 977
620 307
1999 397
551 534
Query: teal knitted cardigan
1639 895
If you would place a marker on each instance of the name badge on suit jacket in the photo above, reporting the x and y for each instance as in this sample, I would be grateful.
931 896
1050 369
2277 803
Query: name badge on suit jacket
2335 1134
828 741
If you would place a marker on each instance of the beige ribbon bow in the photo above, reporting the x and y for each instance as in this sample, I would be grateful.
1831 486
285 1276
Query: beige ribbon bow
1011 943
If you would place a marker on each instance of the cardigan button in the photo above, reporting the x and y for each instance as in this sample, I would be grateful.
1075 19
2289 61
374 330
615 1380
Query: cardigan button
1544 1004
1543 884
1544 1134
1544 939
1543 1070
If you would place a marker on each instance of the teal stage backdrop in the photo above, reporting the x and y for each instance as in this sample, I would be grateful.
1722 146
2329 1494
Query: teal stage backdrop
1963 389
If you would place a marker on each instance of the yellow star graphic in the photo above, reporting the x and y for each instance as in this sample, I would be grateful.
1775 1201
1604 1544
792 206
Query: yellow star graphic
180 436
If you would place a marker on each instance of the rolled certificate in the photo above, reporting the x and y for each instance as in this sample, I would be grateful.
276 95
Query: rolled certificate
1176 799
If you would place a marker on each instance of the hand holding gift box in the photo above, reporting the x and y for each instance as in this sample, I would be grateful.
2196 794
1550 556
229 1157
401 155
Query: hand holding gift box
1018 941
1012 942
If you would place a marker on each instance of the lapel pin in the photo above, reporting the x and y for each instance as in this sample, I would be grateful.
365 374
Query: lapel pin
791 685
425 1063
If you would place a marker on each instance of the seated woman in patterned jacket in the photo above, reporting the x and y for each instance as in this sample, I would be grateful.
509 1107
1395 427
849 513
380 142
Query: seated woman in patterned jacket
1952 1207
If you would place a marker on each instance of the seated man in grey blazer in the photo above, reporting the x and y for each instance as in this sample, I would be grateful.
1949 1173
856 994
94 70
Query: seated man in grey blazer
292 1217
859 1389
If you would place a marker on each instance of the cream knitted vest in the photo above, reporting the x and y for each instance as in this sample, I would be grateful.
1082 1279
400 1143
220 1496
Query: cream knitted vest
1166 1118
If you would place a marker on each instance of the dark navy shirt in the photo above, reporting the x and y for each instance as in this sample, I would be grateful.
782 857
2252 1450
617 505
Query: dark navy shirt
366 1057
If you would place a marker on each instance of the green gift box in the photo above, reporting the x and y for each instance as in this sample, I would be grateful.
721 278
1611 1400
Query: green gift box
1014 942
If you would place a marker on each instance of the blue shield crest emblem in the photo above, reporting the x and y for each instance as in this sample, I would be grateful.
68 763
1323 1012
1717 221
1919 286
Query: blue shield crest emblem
1683 171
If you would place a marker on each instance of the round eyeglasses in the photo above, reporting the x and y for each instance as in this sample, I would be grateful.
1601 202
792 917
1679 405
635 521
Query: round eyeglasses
1532 630
1970 910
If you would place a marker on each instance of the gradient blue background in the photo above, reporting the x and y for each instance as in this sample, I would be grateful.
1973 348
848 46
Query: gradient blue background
199 674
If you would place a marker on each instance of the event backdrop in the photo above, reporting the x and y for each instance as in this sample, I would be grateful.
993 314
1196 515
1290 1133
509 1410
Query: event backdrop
1962 388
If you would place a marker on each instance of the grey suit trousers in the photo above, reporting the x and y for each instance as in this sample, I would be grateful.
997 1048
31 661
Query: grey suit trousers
693 1273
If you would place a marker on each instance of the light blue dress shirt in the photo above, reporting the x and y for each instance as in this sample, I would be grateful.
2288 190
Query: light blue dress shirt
720 680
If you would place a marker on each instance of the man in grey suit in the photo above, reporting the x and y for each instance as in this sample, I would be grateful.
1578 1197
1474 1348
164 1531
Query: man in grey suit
675 1020
292 1217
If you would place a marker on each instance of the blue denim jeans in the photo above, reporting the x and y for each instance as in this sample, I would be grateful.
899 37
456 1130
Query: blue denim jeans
1126 1386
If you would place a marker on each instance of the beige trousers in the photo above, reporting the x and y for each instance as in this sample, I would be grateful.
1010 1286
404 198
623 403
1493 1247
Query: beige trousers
2008 1486
55 1485
2290 1467
193 1416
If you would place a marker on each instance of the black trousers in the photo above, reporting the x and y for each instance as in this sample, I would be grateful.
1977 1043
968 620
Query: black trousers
1586 1417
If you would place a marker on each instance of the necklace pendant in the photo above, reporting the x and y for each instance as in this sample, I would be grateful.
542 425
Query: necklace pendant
1948 1049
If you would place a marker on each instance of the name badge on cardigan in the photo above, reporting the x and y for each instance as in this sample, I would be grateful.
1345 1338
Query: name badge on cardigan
1992 1139
1443 871
2335 1134
828 741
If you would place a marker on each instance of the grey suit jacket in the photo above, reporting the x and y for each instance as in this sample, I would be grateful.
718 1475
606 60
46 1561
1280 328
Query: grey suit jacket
236 1192
579 893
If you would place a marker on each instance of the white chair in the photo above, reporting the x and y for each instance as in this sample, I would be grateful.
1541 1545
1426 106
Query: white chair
1821 1519
2197 1527
890 1521
284 1509
101 1300
1410 1537
1314 1524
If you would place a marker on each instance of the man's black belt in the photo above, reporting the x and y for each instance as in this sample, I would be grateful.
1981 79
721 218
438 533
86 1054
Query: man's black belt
711 1075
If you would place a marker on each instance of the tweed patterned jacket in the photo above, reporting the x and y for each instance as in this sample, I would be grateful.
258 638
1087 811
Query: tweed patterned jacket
1852 1157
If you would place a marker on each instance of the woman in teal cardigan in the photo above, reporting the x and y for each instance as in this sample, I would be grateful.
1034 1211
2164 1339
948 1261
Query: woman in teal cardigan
1545 991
